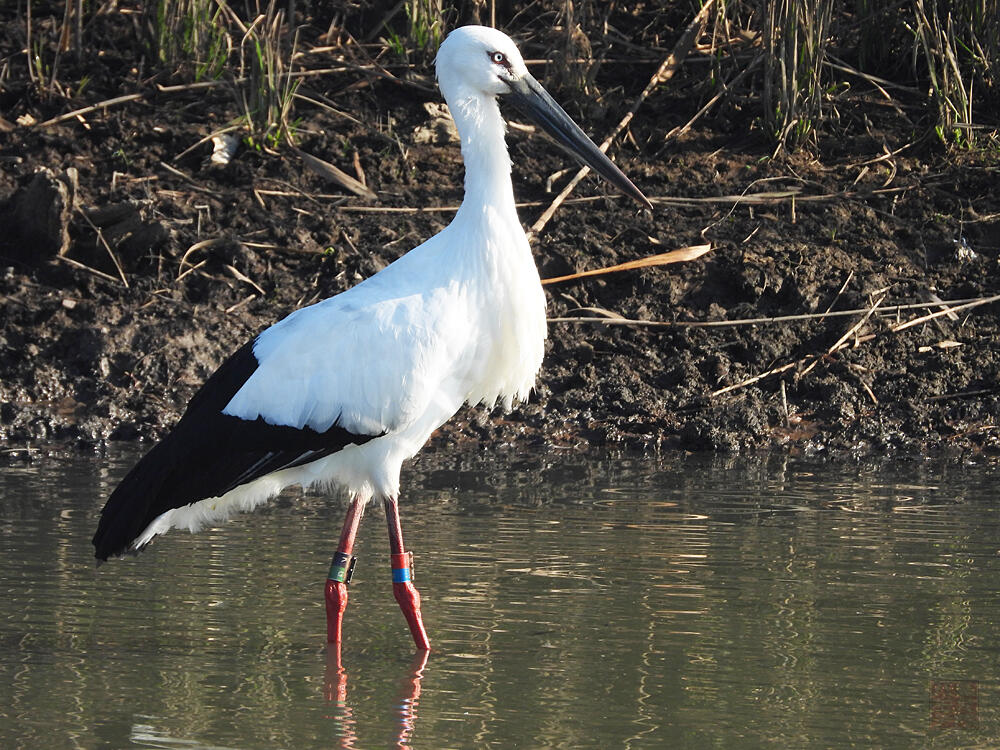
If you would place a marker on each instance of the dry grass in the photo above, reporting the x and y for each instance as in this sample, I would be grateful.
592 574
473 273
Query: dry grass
947 48
189 38
796 36
268 95
959 45
770 55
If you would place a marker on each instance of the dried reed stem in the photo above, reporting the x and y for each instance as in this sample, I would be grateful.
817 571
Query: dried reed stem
663 74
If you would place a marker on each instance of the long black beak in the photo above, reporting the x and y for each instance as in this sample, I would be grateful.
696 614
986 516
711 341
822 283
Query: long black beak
535 103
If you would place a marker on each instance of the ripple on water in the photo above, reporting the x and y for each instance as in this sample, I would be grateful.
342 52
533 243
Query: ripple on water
635 603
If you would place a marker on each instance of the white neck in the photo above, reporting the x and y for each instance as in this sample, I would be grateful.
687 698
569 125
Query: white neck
487 163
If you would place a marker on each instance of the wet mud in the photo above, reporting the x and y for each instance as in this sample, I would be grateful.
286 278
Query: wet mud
133 267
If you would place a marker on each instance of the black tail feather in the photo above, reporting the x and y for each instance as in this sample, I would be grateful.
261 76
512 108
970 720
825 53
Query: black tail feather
129 510
206 455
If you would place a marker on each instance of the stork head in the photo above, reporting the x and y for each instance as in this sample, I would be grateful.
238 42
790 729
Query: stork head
477 60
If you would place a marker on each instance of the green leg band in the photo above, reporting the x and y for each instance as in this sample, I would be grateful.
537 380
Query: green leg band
342 567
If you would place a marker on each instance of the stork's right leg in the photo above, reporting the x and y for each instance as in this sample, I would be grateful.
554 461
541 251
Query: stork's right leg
340 572
406 595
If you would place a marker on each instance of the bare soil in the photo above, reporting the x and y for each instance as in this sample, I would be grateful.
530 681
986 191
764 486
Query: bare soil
209 256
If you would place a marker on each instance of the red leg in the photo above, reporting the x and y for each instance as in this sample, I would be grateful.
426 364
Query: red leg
340 572
406 594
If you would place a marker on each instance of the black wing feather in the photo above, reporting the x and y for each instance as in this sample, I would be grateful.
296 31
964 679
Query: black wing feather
207 454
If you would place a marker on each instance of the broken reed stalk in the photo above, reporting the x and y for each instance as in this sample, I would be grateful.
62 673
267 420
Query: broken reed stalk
88 269
660 259
842 342
949 306
947 310
92 108
812 359
195 248
330 172
234 307
757 199
188 179
663 74
240 276
840 291
192 269
104 242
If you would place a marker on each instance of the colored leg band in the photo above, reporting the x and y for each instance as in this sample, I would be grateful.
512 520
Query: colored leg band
400 575
402 565
342 567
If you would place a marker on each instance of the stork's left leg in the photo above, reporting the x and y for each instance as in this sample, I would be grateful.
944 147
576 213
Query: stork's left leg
406 594
340 572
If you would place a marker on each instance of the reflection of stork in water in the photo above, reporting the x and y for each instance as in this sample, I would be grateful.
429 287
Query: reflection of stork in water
343 391
335 692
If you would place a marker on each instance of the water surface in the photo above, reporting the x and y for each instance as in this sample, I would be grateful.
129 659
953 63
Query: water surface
571 601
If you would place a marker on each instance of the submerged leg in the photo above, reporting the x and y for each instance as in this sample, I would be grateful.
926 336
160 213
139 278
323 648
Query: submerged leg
406 595
340 572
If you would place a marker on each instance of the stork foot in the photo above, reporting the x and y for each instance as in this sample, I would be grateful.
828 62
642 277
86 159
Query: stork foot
408 599
336 603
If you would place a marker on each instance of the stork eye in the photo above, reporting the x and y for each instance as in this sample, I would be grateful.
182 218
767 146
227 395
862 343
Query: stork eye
499 58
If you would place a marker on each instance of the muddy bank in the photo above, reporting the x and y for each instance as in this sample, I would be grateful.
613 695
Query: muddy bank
168 264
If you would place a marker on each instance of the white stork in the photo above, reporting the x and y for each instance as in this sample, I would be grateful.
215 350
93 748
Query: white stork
343 391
